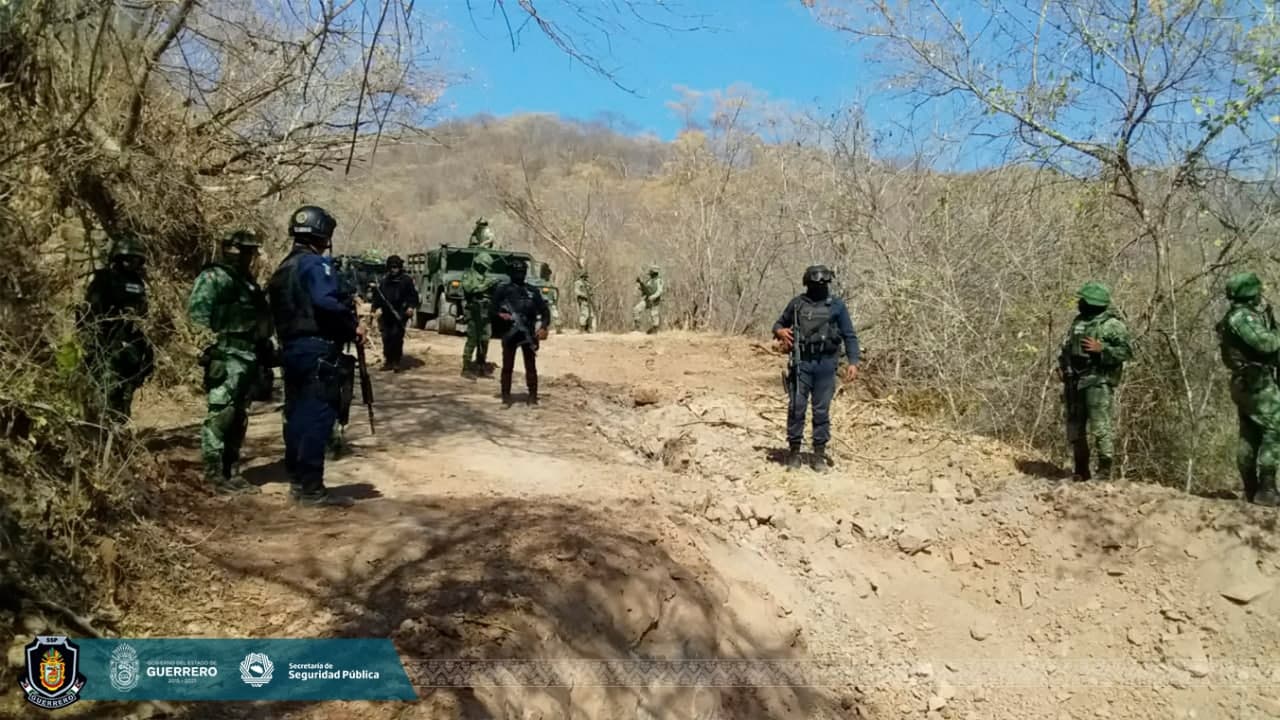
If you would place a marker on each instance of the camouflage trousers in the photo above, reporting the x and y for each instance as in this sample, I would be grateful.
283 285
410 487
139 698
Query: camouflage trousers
1258 453
229 380
586 317
478 333
652 310
1089 413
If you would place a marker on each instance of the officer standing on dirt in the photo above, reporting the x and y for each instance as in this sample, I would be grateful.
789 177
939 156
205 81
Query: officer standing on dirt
396 297
313 323
227 300
477 289
817 325
1091 362
584 293
1249 342
119 354
650 303
520 316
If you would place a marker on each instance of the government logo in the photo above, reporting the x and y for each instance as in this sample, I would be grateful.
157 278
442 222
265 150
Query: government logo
124 668
256 669
52 679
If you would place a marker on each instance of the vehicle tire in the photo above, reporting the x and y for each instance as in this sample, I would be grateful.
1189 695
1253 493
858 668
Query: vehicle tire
445 323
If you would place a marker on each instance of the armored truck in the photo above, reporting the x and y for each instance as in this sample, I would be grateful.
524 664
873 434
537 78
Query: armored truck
438 274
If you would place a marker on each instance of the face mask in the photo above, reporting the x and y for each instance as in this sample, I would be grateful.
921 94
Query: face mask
1088 310
817 291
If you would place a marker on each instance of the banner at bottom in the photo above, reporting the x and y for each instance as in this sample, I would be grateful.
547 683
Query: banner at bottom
196 669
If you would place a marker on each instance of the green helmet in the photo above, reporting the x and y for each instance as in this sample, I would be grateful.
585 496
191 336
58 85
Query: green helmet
242 239
654 270
483 260
1243 286
126 245
1095 294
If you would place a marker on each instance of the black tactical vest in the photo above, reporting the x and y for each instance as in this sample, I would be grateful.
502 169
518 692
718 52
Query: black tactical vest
291 307
815 329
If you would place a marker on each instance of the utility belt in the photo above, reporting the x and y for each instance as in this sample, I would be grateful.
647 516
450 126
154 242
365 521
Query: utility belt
818 350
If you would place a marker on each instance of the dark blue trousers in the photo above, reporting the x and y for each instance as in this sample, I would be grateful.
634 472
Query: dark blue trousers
811 380
312 385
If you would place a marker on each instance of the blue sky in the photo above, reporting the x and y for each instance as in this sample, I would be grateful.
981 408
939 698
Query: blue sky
775 46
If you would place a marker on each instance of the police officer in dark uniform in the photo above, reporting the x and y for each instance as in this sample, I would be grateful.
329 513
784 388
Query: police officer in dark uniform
819 324
520 318
313 323
119 354
396 297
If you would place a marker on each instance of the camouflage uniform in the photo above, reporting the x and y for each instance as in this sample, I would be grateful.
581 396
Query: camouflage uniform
118 353
481 235
227 300
1089 379
477 288
583 293
651 289
1249 340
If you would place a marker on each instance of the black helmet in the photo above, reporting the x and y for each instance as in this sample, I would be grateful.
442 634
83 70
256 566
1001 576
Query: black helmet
310 224
395 261
815 274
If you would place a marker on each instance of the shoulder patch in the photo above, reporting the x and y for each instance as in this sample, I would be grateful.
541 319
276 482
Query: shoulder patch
328 269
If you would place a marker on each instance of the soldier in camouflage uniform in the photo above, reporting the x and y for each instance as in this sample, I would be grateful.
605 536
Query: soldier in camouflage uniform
227 300
118 353
1249 340
651 289
481 235
477 287
584 294
1090 363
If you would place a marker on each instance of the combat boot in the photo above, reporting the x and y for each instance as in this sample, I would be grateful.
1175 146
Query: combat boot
1266 494
821 461
320 498
1080 457
1250 486
794 462
1104 468
387 365
235 485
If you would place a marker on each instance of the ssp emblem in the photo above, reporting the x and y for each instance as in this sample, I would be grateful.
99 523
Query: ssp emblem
53 678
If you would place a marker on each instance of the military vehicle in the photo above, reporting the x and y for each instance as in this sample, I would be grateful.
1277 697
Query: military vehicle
361 272
438 274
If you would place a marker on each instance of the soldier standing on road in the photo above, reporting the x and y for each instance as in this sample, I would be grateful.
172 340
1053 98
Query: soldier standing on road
118 353
651 289
819 325
521 316
1249 342
227 300
477 289
1091 363
396 297
313 323
481 235
584 294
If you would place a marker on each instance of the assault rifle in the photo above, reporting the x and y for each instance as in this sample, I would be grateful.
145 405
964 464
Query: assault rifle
519 329
366 385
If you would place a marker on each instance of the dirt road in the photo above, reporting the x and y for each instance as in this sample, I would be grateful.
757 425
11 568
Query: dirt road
639 513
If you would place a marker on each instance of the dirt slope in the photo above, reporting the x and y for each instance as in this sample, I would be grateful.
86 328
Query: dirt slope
639 513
